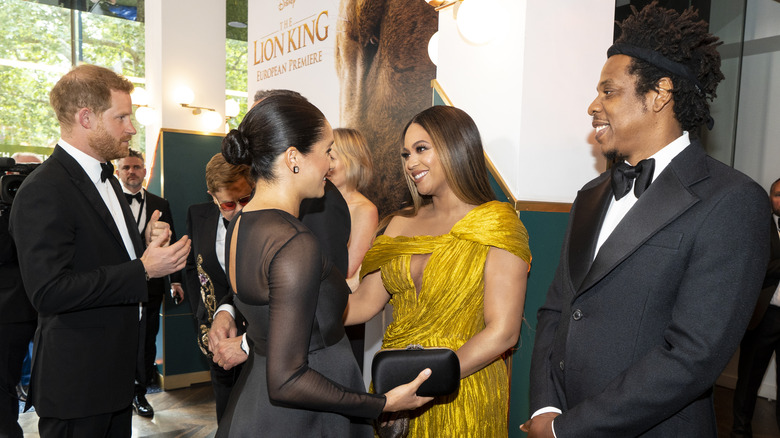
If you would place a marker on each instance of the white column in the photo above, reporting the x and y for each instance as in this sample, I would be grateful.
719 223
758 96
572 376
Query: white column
185 46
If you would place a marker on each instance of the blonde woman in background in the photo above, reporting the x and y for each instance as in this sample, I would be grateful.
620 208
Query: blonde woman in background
350 171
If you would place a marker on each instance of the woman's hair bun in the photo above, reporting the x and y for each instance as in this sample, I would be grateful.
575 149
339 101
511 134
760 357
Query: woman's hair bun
235 148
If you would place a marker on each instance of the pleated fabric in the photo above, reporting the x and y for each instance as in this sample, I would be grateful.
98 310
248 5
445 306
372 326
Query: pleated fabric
449 311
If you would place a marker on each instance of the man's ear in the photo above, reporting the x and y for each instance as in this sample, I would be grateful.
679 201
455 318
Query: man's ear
85 118
663 88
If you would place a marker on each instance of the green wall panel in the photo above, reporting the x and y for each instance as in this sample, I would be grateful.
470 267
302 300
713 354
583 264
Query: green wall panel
178 174
546 232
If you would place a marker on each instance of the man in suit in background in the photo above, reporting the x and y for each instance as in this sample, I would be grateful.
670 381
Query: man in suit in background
763 336
17 326
83 264
655 285
230 188
131 171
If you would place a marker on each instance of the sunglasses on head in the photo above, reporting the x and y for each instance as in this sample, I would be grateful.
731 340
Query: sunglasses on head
230 205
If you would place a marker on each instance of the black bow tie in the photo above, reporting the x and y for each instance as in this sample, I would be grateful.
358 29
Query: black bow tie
107 169
226 222
623 176
138 197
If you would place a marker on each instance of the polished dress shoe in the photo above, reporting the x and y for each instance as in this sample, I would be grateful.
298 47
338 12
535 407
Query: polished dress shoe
142 407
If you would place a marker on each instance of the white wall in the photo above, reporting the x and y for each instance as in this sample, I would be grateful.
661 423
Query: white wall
185 45
546 61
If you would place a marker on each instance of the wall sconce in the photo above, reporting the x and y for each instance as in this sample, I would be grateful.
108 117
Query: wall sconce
232 108
478 21
433 48
139 97
184 96
442 4
143 113
211 120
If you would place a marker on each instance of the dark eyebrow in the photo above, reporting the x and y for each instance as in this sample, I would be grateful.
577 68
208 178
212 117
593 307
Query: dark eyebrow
604 83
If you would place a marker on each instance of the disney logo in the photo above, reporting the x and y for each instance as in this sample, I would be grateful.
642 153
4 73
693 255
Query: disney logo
284 3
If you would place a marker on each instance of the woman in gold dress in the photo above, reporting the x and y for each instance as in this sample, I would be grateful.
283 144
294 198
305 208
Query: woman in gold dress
454 267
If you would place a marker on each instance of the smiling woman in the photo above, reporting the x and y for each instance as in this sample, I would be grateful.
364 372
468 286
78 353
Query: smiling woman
454 268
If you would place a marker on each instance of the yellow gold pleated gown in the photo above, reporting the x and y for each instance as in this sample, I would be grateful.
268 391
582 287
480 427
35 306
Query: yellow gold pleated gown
449 311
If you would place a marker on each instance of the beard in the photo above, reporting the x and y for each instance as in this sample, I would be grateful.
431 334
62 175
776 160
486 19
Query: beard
613 156
107 146
133 184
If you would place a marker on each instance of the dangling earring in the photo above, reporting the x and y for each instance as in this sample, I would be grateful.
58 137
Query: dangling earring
295 169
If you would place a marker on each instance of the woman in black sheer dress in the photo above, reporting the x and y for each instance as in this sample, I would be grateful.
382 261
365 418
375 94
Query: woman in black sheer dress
301 378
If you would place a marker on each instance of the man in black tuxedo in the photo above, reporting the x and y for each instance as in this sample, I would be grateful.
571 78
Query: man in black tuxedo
78 249
131 171
763 336
663 256
17 318
17 326
230 188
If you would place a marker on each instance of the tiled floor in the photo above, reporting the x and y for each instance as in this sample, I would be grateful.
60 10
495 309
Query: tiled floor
189 413
180 413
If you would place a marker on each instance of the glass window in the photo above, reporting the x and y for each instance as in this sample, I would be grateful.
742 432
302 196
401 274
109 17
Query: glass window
38 44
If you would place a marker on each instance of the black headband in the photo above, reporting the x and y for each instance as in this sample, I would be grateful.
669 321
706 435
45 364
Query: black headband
662 62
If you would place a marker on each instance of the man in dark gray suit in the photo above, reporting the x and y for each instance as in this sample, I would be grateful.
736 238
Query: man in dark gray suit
83 262
655 285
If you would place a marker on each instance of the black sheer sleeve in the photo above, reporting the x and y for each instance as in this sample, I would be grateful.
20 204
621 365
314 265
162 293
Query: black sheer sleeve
290 274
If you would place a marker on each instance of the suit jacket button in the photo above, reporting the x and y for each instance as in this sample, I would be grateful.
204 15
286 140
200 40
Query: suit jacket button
577 315
561 365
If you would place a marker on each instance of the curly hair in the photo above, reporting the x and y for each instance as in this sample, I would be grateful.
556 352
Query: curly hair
682 38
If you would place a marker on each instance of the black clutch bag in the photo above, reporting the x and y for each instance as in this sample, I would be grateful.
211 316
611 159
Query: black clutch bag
394 367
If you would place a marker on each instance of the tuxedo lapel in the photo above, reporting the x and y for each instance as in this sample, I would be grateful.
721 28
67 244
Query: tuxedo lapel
151 206
209 232
132 227
666 199
81 180
592 206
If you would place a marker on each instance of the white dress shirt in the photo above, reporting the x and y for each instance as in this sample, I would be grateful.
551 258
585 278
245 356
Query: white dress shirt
220 242
138 209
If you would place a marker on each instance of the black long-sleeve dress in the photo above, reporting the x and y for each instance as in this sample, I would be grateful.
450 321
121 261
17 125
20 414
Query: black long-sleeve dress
301 378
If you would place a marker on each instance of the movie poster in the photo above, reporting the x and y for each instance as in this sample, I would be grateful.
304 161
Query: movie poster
363 63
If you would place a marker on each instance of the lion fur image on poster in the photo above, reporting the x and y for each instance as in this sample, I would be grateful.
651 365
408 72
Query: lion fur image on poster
385 79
